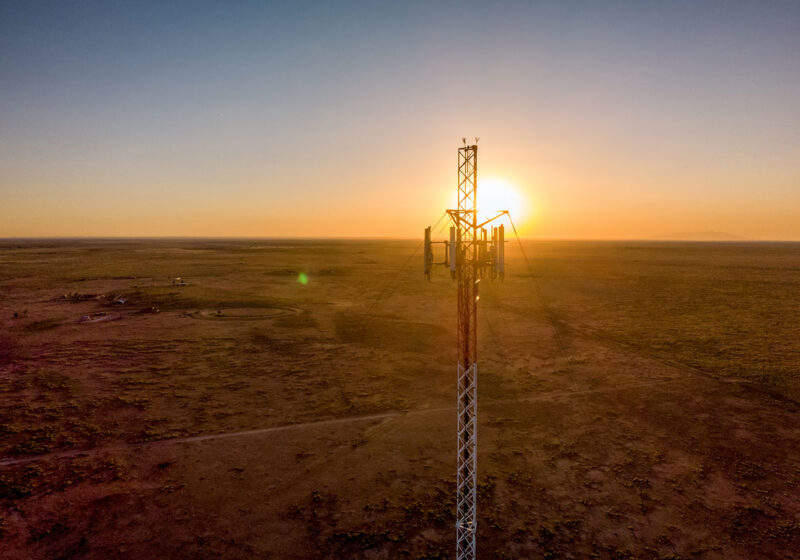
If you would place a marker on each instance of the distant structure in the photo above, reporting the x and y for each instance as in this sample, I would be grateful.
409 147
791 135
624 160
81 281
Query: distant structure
471 256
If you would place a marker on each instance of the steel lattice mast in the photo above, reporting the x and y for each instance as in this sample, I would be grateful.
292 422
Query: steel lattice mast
466 220
470 254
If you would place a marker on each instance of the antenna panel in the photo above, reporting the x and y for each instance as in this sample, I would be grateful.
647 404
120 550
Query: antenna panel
453 247
501 251
428 253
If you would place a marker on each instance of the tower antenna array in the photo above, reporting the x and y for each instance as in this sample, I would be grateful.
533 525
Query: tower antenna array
471 256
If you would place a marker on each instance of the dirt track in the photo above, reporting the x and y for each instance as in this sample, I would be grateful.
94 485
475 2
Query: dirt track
300 426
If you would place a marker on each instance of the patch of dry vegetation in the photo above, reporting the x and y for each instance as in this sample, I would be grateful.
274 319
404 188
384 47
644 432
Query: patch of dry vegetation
606 429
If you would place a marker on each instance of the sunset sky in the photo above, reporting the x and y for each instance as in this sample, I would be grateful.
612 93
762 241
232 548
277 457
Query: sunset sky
610 119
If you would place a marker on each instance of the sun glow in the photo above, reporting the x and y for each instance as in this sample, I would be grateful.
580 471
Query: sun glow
495 194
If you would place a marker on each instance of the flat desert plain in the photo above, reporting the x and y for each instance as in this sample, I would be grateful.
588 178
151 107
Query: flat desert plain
295 399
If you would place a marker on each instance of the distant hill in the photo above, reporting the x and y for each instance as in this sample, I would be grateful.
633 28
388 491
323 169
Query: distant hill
699 236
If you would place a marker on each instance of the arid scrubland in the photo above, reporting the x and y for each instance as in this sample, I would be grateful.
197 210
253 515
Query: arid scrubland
194 399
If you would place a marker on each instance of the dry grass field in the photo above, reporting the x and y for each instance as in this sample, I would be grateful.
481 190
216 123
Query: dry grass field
195 399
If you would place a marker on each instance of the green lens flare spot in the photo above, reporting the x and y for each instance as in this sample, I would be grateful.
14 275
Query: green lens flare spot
302 278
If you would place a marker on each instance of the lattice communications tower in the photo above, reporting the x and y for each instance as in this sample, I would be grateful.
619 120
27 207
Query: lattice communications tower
470 255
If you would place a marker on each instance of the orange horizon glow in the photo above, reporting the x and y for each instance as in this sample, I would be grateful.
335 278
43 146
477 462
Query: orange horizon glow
301 122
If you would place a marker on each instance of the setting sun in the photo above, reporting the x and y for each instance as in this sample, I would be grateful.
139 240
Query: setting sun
496 194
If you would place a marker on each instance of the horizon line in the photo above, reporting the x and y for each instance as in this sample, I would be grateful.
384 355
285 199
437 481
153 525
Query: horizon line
374 238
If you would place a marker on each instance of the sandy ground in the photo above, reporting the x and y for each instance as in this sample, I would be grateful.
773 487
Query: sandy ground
632 405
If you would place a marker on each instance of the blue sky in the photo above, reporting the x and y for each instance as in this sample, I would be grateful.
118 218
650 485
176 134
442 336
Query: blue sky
614 119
